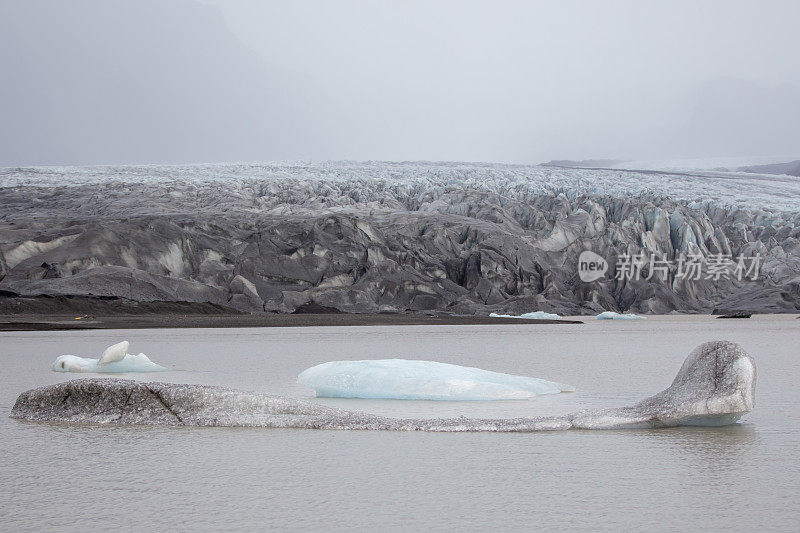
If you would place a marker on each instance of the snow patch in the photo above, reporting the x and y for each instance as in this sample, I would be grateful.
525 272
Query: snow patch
30 249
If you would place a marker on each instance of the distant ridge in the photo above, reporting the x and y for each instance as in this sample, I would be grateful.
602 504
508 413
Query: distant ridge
792 168
587 163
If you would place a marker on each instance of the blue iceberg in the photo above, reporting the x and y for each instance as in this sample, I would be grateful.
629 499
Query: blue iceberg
611 315
402 379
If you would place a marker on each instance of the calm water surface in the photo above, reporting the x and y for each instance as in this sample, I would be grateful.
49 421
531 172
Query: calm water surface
741 477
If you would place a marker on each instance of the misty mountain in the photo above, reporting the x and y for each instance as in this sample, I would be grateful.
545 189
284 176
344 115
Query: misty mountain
105 81
738 117
584 163
178 81
791 169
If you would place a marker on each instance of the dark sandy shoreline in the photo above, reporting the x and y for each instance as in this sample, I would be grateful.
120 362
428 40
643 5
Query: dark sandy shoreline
44 313
154 321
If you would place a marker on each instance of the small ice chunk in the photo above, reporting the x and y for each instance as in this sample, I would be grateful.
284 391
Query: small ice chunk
113 353
538 315
114 362
611 315
401 379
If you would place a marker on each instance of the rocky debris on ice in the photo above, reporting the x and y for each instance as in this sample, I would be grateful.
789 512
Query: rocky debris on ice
402 379
715 386
115 359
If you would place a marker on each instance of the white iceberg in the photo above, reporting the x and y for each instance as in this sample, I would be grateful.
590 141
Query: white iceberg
115 359
402 379
538 315
612 315
114 353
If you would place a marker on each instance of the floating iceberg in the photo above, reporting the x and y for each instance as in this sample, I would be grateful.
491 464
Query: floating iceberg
401 379
538 315
115 359
611 315
714 387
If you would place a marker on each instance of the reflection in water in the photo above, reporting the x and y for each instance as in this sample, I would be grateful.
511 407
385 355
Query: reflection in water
718 455
729 443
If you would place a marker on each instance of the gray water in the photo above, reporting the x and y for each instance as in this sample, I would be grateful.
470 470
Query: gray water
740 477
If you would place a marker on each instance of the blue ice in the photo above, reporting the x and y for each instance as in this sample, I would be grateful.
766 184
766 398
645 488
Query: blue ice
402 379
611 315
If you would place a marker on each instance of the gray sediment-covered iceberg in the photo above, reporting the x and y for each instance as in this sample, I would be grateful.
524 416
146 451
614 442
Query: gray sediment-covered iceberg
714 387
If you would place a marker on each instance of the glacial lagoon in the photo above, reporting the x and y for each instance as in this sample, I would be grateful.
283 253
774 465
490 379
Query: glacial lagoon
741 476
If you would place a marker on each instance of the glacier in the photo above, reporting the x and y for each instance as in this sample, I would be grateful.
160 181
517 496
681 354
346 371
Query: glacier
535 315
612 315
442 238
402 379
715 386
114 360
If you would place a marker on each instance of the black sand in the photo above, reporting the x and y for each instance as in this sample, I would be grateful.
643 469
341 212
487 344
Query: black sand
64 322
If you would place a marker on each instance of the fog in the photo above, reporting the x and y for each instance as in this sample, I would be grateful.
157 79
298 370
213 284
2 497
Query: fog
176 81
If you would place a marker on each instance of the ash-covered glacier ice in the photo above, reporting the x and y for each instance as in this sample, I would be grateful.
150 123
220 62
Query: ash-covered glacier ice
613 315
115 359
402 379
715 386
446 238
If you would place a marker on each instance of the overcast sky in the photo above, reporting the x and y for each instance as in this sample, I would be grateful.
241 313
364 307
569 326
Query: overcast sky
152 81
